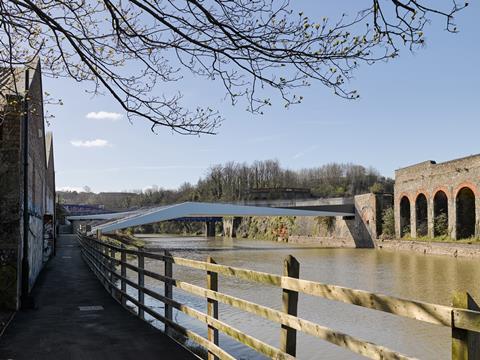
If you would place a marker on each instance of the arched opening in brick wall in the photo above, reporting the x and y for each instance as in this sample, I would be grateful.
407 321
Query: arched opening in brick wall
405 215
465 213
421 211
440 214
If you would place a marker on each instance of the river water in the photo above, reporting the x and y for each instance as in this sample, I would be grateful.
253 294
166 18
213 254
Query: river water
402 274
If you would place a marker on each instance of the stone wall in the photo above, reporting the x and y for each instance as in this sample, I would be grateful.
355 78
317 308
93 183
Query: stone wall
430 179
359 231
11 188
431 248
37 175
10 206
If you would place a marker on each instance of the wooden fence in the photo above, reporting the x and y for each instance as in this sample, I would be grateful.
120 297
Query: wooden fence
463 317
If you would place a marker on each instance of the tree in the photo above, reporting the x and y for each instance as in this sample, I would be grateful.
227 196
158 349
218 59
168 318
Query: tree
377 188
129 48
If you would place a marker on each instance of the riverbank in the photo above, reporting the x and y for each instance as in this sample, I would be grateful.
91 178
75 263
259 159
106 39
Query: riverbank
431 247
444 248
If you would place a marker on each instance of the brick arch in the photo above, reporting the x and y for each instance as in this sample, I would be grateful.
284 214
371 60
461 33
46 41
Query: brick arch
407 195
405 215
466 212
440 211
444 189
422 192
421 213
466 184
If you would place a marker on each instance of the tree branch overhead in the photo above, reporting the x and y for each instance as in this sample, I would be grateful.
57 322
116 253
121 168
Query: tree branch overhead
128 49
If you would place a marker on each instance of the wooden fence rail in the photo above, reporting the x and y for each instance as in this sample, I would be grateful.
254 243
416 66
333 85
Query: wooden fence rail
463 317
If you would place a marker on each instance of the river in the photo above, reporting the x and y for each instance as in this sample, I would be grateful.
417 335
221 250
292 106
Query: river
402 274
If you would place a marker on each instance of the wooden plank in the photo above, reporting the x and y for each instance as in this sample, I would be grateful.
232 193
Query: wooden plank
431 313
288 335
168 271
358 346
229 330
212 307
465 344
249 275
466 319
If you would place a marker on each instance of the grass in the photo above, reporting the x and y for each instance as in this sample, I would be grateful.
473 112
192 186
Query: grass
444 239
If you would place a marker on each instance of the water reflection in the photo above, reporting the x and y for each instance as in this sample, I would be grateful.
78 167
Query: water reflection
402 274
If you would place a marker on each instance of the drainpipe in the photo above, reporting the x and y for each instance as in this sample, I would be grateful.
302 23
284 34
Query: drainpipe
26 300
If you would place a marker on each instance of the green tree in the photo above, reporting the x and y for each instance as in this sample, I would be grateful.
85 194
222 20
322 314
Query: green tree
377 188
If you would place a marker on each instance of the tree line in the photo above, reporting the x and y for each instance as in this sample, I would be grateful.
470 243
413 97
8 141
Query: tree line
232 182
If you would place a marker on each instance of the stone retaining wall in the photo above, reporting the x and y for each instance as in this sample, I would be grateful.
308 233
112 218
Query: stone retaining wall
326 242
430 248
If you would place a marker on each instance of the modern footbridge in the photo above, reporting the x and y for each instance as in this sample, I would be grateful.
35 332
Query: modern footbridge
193 211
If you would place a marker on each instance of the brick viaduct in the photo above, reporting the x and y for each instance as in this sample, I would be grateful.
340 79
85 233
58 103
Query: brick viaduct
438 199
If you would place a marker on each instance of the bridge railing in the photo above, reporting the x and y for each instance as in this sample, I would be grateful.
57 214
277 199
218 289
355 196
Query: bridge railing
104 259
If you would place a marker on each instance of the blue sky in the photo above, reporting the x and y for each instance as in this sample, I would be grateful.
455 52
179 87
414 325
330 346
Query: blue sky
420 106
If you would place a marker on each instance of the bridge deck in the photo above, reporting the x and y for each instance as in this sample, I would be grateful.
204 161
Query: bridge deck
57 329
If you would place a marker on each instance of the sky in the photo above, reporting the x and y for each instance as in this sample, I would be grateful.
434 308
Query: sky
420 106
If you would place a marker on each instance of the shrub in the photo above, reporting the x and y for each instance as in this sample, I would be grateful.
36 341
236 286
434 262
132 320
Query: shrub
326 225
407 231
441 224
422 229
388 222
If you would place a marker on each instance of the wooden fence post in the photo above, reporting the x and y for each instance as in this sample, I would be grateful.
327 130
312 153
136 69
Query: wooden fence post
111 266
465 344
113 278
288 336
123 272
168 291
212 307
104 266
141 283
97 254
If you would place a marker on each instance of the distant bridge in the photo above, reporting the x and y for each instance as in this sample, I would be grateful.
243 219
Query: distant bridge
196 211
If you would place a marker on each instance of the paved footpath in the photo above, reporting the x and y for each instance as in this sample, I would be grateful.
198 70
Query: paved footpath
57 329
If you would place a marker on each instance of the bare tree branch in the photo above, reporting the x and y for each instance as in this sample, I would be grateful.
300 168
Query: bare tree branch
128 49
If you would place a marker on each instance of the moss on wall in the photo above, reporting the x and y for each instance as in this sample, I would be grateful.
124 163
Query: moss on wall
279 228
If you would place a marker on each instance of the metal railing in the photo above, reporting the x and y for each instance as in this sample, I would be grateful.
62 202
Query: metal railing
102 259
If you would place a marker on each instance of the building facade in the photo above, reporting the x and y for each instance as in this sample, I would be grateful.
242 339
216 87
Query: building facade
438 199
40 178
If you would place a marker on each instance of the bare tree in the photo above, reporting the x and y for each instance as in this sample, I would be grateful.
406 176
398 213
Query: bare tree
128 48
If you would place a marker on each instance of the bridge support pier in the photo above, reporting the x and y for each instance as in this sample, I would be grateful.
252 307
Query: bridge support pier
230 226
210 228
